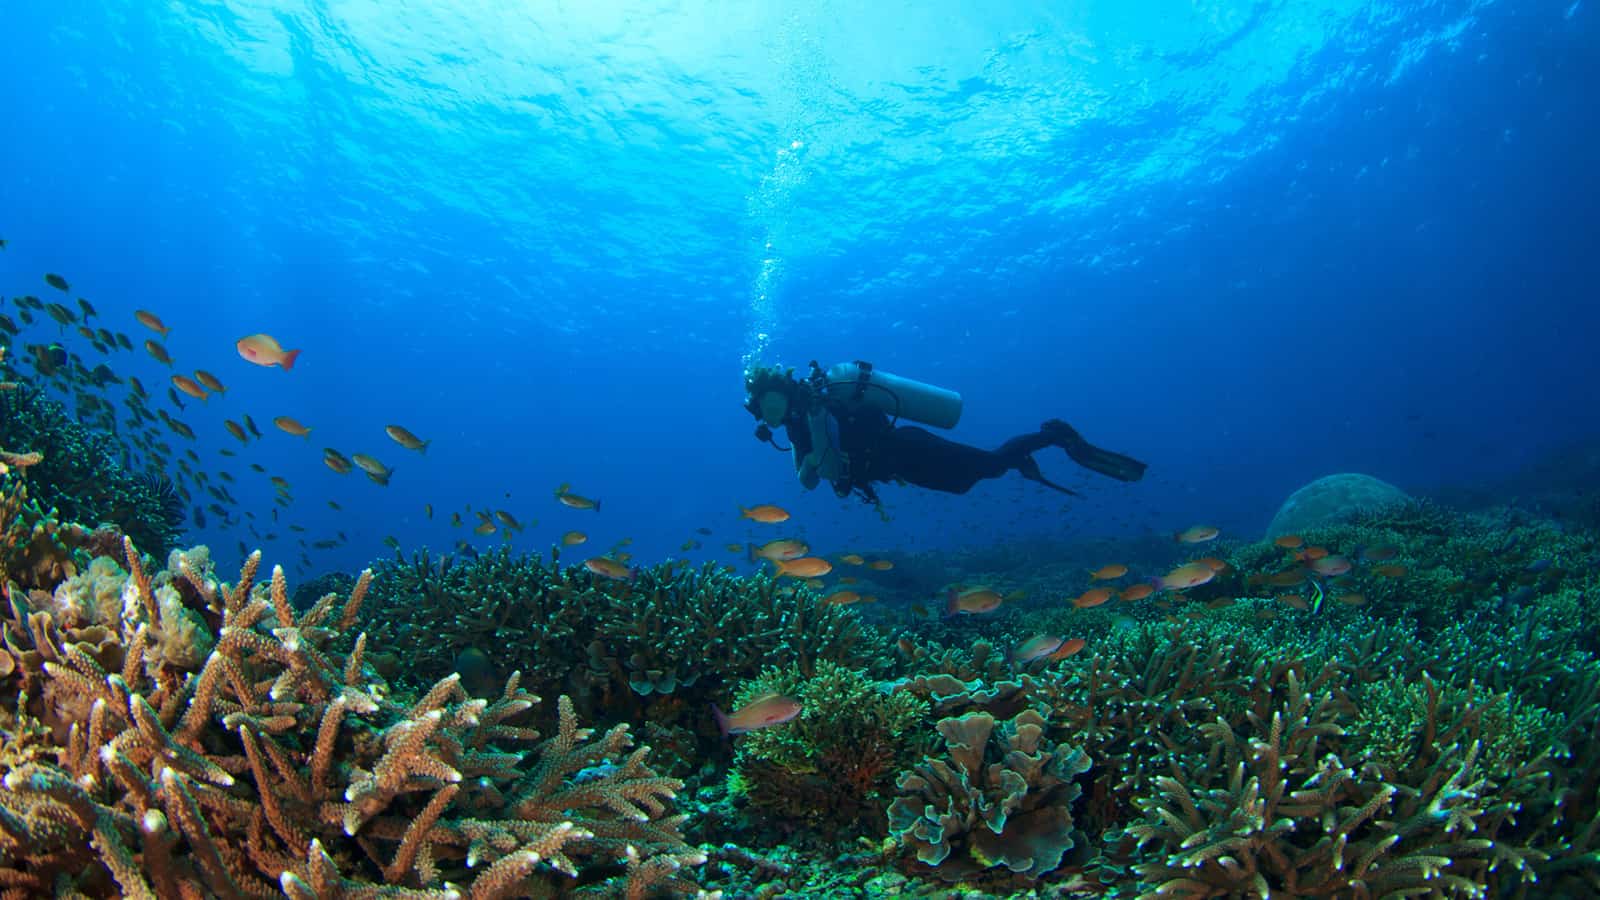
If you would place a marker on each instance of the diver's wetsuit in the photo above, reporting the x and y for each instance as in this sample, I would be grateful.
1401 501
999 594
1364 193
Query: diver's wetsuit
878 450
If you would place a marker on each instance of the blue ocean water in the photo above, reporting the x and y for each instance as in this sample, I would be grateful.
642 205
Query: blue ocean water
1249 243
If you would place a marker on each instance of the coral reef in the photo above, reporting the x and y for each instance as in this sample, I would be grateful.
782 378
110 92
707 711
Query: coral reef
275 762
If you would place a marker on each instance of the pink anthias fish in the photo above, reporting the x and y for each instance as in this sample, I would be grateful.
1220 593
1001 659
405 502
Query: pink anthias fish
762 712
264 350
1184 577
1329 566
1046 646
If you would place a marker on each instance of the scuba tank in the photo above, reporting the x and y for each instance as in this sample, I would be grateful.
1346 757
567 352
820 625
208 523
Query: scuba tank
900 398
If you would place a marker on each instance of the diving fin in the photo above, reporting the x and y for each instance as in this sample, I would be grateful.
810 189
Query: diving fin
1114 465
1030 470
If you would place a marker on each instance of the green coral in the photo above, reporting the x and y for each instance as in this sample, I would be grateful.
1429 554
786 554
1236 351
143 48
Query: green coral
82 476
834 764
999 797
661 646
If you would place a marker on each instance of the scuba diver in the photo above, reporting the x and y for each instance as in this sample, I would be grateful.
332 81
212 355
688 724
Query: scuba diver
842 425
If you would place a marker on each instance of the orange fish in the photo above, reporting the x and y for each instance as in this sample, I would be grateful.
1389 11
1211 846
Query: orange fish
1311 553
1293 601
766 513
1106 573
1092 598
842 598
1197 534
1068 648
573 538
607 567
1037 647
158 352
780 550
880 565
1214 564
575 501
803 567
1289 541
289 425
1187 576
1392 570
1137 592
406 439
762 712
210 381
1329 566
151 321
1381 553
188 386
852 559
1286 578
264 350
1352 599
973 602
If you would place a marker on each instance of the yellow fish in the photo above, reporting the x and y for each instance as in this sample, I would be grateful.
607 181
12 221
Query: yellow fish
287 424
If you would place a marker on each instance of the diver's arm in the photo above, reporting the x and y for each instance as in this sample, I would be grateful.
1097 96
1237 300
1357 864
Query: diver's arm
817 443
801 444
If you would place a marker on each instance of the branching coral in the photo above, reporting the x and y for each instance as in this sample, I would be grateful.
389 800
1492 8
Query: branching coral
835 764
1001 798
280 764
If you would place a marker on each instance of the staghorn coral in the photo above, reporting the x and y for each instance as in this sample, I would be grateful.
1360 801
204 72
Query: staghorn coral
835 764
1002 799
280 765
1271 808
657 647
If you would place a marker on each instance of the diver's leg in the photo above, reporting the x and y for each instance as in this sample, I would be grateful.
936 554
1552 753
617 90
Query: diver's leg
1122 468
924 459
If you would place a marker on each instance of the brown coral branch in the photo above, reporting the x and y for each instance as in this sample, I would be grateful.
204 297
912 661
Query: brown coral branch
352 608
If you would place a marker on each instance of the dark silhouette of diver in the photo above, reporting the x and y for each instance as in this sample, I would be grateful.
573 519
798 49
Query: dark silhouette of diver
843 428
